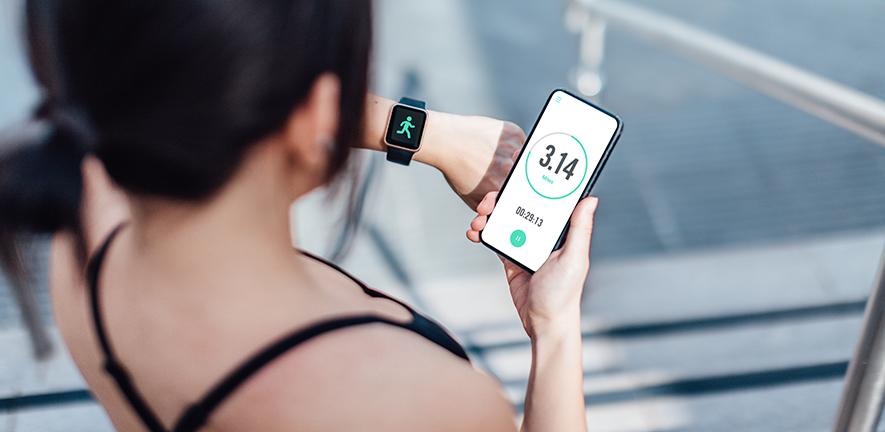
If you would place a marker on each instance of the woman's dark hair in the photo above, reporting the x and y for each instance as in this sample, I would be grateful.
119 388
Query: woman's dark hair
170 94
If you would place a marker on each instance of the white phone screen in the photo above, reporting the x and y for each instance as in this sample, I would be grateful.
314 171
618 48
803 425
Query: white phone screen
559 160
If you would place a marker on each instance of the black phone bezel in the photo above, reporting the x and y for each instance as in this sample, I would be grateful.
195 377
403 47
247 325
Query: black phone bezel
595 176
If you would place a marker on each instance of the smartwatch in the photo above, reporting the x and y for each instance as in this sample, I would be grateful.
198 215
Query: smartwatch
405 129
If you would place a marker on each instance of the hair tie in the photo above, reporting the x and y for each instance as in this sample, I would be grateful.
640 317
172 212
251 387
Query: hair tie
69 121
44 109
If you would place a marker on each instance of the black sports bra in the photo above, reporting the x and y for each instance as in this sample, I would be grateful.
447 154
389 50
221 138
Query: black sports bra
198 413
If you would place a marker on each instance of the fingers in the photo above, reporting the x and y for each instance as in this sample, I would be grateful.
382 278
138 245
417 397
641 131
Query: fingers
581 227
487 204
478 224
511 271
484 209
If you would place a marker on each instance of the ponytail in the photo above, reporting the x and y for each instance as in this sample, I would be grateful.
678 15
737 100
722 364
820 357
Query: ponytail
40 182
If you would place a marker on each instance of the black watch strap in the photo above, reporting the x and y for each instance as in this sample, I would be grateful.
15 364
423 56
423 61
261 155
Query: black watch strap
413 102
398 155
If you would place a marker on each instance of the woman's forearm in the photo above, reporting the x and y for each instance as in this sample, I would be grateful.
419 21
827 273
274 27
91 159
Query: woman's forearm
555 396
474 153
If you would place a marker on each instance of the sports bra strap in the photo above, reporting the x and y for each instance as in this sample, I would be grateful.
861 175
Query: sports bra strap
197 414
92 273
111 365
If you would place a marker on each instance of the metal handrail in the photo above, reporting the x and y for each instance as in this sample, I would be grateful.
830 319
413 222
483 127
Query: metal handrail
836 103
863 395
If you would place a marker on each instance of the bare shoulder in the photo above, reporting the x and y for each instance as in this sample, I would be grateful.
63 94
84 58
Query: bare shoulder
373 377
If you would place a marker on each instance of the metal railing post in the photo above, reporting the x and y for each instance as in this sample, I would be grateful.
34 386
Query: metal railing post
864 392
588 76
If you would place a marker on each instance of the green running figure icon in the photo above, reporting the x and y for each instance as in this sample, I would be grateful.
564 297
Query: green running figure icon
406 125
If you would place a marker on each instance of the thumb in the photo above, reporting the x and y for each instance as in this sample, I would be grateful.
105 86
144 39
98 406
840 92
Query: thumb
581 227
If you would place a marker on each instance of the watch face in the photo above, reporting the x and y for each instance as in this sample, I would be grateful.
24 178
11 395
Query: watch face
406 126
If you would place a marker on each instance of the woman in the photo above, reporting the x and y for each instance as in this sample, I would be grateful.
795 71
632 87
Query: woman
190 127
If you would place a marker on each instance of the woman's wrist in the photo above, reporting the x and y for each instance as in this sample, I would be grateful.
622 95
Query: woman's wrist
438 140
553 343
435 143
474 153
563 326
461 147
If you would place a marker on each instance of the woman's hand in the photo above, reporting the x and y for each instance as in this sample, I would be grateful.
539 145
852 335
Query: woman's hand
474 154
548 302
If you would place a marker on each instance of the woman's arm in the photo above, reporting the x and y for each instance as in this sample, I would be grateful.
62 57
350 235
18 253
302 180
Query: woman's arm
555 396
473 153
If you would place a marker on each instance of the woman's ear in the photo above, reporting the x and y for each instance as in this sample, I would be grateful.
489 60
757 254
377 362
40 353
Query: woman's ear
309 133
103 207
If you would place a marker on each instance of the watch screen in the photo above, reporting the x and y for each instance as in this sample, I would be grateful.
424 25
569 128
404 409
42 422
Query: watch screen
555 168
406 126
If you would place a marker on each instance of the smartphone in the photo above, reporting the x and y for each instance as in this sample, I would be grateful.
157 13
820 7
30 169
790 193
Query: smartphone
558 165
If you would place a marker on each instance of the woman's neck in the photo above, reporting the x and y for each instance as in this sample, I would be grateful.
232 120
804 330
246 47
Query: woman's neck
241 231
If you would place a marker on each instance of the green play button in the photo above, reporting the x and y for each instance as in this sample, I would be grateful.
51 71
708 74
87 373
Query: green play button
517 238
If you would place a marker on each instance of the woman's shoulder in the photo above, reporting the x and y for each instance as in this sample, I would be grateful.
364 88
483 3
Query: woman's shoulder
377 375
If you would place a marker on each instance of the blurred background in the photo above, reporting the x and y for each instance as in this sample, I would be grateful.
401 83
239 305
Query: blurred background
737 241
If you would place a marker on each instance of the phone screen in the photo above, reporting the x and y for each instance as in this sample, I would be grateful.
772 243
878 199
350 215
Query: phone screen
558 165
